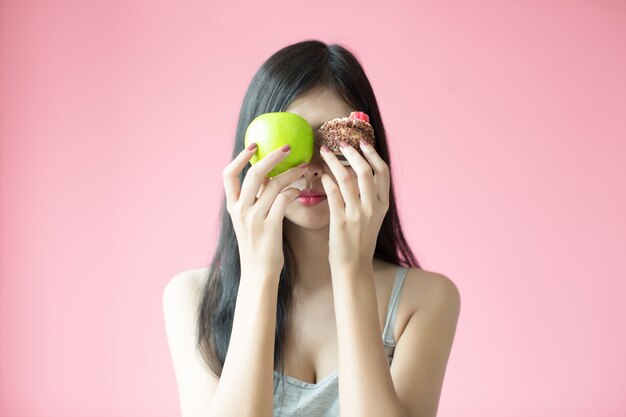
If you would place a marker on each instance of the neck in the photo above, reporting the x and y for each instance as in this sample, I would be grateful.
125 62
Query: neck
310 250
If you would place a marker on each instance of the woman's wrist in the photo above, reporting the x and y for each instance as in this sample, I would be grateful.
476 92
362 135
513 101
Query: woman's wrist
259 279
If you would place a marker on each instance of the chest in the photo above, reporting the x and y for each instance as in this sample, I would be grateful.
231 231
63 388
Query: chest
311 348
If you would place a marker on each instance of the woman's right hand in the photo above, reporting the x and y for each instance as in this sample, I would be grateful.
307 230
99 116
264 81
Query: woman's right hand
258 222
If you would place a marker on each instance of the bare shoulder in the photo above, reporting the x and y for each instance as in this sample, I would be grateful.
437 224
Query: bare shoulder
423 288
188 280
432 290
196 383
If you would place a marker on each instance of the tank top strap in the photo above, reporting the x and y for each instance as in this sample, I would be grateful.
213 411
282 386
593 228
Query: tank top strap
394 299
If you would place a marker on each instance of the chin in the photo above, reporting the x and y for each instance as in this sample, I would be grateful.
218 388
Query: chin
313 218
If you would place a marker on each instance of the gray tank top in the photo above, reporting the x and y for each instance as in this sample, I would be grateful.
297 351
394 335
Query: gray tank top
294 397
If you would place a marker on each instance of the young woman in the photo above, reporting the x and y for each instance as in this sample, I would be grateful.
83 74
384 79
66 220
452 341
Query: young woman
310 310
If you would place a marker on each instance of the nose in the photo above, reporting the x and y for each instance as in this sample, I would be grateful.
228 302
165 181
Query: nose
316 165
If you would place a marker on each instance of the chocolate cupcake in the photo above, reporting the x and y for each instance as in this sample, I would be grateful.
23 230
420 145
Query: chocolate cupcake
349 129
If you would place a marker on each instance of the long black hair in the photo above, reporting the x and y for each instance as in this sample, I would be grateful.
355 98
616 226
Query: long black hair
289 73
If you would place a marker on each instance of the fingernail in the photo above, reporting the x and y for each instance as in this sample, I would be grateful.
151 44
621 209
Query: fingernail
251 146
285 148
343 144
325 148
363 143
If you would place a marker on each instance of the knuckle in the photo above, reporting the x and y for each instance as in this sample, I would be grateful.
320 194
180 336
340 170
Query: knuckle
246 219
271 187
362 170
345 178
333 190
355 217
278 181
254 174
254 222
281 197
240 209
237 209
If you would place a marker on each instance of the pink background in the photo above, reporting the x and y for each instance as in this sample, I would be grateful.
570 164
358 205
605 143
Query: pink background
507 128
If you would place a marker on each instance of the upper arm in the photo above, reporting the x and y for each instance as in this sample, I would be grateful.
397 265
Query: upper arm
196 383
422 351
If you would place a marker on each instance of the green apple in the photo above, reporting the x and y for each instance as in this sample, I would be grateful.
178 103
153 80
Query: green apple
272 131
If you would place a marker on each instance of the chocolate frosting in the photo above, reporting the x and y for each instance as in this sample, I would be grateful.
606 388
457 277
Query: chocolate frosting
349 130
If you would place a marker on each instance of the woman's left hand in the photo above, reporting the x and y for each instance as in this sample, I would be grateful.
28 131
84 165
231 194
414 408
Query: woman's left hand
355 219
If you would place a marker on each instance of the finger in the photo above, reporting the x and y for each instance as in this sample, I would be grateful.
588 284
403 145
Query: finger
263 184
279 207
276 185
381 172
256 174
365 177
346 183
333 195
232 186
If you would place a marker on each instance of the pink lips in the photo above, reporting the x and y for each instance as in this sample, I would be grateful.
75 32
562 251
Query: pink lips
311 197
311 193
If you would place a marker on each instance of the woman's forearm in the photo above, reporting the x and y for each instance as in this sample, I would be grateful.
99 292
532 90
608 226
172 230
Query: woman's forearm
365 384
245 386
